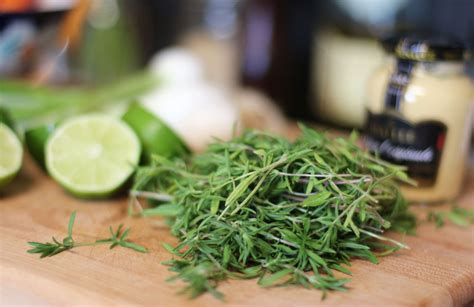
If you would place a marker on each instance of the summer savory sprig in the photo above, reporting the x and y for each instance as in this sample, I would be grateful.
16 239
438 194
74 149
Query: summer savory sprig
117 238
457 215
260 206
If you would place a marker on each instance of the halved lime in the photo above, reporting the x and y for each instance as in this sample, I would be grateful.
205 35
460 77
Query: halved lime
35 140
11 155
92 156
155 135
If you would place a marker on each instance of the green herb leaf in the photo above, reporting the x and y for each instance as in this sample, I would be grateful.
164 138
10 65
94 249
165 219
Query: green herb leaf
316 200
457 219
72 218
168 210
134 246
272 279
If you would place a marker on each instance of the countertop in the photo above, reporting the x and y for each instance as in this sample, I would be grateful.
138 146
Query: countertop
437 270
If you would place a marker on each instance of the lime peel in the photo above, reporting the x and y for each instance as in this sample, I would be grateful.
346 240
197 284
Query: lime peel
157 138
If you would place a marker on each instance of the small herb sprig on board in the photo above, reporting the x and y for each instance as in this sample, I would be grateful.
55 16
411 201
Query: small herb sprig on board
458 216
117 238
284 212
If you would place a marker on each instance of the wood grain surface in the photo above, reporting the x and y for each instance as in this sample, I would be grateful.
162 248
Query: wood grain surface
438 270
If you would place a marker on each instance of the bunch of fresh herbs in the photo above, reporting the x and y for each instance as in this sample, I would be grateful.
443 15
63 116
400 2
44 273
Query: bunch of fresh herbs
260 206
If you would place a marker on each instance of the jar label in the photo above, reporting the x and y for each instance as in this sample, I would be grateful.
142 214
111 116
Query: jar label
417 146
398 83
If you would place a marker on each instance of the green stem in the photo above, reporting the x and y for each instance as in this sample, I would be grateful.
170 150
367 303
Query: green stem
89 244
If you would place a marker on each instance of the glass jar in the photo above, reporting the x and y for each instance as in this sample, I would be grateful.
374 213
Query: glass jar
419 115
339 97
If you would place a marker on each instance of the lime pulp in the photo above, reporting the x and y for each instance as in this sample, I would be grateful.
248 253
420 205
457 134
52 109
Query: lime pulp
92 156
11 155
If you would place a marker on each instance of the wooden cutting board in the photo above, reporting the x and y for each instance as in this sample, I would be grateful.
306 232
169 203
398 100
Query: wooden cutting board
438 270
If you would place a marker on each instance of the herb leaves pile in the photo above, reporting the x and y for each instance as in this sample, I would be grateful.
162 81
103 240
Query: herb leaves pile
260 206
117 238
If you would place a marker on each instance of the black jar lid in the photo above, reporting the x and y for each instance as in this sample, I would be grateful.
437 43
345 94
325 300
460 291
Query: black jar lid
425 49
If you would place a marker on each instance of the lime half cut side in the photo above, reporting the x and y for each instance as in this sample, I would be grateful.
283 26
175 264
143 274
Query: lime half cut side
92 156
11 155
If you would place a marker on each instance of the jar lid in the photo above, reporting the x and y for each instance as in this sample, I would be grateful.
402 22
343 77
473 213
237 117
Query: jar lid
426 49
389 43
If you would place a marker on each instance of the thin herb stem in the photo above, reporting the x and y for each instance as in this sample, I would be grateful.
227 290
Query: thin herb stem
151 195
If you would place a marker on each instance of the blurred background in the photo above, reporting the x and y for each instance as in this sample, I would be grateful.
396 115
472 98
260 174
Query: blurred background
306 59
400 71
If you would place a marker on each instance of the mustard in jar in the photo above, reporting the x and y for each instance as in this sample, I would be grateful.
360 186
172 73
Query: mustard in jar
419 115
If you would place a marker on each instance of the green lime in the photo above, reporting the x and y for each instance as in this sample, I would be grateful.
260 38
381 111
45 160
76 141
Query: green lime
11 154
155 135
6 118
93 155
35 140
